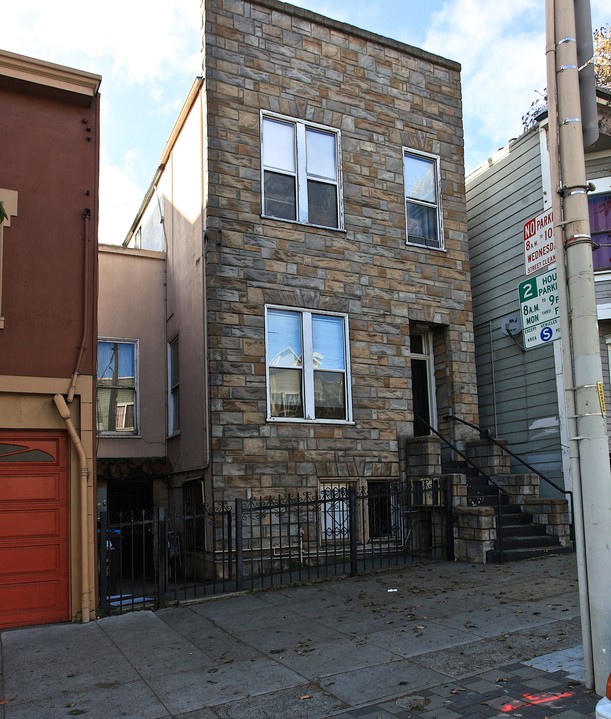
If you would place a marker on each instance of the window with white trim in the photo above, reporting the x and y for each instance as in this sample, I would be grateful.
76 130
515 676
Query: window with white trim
308 365
422 199
301 171
117 391
173 388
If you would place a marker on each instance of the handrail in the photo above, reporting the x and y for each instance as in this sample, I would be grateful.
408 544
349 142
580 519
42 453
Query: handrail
486 434
502 490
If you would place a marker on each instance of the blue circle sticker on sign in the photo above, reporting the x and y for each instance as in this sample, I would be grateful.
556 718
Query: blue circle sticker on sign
546 334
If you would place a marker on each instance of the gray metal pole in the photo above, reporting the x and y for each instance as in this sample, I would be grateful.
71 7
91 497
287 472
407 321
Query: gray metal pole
587 366
565 341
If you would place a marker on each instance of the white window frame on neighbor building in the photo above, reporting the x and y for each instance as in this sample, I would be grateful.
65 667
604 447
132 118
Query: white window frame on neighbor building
173 387
602 187
303 366
422 194
121 404
298 150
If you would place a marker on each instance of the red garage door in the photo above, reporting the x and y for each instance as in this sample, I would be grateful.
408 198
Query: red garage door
33 528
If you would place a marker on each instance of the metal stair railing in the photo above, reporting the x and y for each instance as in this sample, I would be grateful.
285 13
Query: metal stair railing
501 490
486 434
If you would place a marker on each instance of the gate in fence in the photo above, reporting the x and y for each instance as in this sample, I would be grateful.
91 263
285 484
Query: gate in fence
150 559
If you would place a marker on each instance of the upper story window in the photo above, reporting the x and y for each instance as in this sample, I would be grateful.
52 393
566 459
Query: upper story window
308 372
422 199
599 206
173 388
116 405
301 172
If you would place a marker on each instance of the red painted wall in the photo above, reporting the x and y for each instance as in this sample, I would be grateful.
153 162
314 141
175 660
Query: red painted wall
49 155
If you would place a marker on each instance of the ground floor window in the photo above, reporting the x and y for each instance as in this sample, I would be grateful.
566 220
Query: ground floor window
377 510
308 368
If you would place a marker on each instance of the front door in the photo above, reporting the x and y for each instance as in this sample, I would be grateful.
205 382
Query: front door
423 382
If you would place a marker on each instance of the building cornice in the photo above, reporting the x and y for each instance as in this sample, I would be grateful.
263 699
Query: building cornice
48 74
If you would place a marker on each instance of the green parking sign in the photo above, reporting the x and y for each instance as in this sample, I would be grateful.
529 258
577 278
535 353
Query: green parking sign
540 309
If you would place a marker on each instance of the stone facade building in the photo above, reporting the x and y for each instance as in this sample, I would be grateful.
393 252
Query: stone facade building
311 203
310 207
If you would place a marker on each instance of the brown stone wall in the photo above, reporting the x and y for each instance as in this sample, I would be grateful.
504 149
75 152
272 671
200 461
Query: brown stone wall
382 96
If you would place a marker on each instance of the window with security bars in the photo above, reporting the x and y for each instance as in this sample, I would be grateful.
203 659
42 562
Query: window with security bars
377 507
301 172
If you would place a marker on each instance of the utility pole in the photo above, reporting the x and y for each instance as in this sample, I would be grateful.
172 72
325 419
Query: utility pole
585 375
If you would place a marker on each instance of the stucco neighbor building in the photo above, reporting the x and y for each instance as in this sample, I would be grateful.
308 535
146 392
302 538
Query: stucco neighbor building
49 119
310 201
132 469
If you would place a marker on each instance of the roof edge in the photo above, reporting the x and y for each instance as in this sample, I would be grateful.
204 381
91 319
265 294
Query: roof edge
48 74
295 11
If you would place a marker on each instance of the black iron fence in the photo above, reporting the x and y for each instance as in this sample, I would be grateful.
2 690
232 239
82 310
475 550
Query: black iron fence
156 558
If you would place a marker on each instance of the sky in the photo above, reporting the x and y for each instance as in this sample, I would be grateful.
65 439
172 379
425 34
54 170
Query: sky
148 54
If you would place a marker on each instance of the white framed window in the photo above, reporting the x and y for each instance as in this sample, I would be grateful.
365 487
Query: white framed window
307 365
422 199
173 387
117 387
301 171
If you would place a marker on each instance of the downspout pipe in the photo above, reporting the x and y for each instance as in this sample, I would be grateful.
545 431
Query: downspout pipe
77 368
64 412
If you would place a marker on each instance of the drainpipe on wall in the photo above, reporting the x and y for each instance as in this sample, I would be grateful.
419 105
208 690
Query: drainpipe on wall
64 412
62 408
75 374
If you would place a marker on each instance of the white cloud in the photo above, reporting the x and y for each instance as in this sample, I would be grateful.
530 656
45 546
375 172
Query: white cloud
501 47
138 41
120 199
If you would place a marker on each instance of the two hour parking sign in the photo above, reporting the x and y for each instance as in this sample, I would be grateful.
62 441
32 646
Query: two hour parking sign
539 309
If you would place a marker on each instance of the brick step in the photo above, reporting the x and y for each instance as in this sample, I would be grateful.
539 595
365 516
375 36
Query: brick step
516 555
528 542
485 498
479 481
522 530
459 467
510 518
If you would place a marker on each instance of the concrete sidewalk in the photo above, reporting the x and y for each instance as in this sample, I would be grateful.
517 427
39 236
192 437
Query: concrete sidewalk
444 640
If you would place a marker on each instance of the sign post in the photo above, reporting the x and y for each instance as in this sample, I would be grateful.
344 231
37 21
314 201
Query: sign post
539 309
